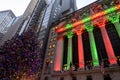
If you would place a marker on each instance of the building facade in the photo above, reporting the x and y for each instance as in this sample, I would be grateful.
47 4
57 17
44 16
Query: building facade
85 45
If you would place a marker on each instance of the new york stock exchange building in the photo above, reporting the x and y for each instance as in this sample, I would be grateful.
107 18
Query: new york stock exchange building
85 45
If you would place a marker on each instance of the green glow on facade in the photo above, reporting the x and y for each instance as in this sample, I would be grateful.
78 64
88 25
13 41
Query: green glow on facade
114 18
86 19
117 26
90 18
70 34
69 54
68 26
93 49
112 9
89 27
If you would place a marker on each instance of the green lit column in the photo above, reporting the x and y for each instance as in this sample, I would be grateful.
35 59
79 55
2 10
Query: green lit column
114 18
69 54
94 53
117 26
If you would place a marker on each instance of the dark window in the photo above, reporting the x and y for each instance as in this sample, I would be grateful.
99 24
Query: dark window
114 38
107 77
61 2
65 50
89 77
100 45
46 78
74 78
61 78
87 50
66 12
75 51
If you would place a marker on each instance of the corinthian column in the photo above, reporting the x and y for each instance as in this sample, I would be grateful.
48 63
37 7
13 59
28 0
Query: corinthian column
89 27
100 22
59 54
69 54
108 46
80 48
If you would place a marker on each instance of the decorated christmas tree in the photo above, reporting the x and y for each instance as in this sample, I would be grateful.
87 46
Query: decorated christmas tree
20 57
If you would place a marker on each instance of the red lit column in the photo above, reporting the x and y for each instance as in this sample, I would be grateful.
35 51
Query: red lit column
59 54
108 46
80 48
100 22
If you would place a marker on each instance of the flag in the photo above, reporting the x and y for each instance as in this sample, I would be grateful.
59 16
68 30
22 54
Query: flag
102 67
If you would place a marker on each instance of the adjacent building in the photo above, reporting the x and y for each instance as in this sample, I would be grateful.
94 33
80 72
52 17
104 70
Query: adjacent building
85 45
29 18
6 19
55 9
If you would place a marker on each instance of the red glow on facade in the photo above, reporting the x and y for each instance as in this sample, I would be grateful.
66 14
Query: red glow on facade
108 46
80 47
59 53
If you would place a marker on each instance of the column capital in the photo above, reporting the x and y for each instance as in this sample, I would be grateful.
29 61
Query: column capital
89 26
100 22
113 17
79 30
61 36
70 34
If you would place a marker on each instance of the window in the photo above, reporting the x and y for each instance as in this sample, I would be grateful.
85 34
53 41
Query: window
107 77
74 78
89 78
66 12
61 2
46 78
61 78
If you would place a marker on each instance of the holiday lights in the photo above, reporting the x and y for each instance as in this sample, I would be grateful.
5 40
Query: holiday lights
80 22
100 20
